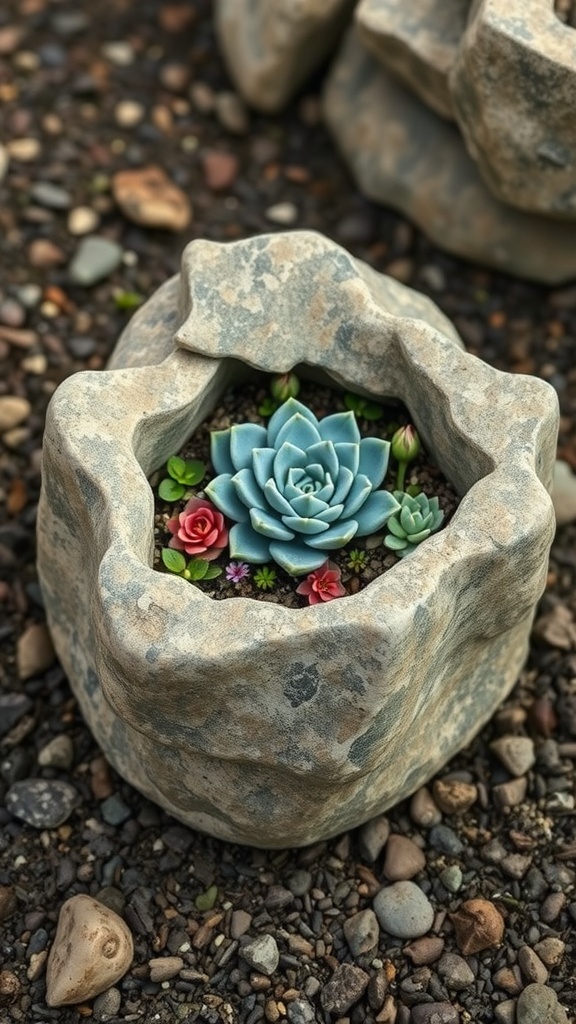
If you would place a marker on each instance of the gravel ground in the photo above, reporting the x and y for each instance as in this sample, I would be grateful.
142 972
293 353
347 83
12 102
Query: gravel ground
87 91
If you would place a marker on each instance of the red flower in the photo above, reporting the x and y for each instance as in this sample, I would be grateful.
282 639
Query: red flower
322 585
199 530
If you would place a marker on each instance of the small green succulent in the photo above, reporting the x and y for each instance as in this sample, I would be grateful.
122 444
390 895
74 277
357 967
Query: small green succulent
357 560
182 474
416 519
363 407
265 578
195 570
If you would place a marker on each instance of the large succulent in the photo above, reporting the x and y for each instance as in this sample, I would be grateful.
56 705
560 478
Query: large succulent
300 487
414 521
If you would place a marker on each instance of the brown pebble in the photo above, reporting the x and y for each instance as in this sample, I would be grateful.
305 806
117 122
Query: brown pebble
44 253
34 651
163 968
100 778
240 923
478 925
9 986
551 951
453 796
423 809
542 716
148 197
425 951
533 970
220 169
511 793
18 337
402 859
509 979
298 944
552 907
259 982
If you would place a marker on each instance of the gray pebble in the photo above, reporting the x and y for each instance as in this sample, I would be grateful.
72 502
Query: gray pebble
94 259
13 706
114 811
107 1004
455 972
12 314
505 1013
81 347
372 838
42 803
403 910
538 1004
29 295
300 882
516 753
261 954
278 897
301 1012
451 878
52 196
531 966
445 840
345 988
362 932
58 753
434 1013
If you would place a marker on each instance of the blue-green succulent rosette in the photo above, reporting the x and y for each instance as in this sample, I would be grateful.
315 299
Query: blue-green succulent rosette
300 487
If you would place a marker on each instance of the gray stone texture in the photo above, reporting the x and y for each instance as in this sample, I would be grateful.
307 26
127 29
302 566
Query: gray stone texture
514 92
405 156
272 46
255 722
417 43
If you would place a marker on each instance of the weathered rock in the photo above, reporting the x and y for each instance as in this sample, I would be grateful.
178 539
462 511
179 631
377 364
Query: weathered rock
305 757
478 925
405 156
148 197
344 989
538 1003
417 43
92 950
513 85
403 910
564 493
271 46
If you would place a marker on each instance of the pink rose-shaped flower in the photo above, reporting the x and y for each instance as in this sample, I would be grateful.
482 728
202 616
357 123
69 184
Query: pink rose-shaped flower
322 585
199 530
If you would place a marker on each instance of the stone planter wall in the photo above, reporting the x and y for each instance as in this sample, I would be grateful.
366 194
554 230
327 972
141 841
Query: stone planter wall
252 721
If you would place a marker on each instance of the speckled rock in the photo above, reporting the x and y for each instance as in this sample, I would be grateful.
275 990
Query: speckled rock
271 46
42 803
418 43
92 949
513 86
403 155
250 720
539 1003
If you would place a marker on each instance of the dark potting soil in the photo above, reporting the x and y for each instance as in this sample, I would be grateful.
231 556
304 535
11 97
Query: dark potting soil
241 405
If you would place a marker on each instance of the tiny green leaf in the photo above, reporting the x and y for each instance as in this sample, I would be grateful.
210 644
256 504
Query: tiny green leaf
173 560
197 567
212 571
267 407
128 300
176 468
372 411
194 472
207 899
170 490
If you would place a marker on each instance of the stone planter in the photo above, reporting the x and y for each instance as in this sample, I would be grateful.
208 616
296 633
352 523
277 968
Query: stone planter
252 721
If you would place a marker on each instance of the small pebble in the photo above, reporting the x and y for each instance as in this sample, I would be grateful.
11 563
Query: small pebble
164 968
478 925
129 113
220 169
344 989
58 753
551 951
423 810
445 840
511 793
505 1013
451 878
455 972
403 859
231 112
8 902
42 803
361 932
107 1005
538 1004
13 706
34 650
25 150
531 966
262 954
148 197
50 195
82 220
453 796
285 214
94 259
240 923
425 951
516 753
372 838
13 411
434 1013
119 53
403 910
11 313
114 811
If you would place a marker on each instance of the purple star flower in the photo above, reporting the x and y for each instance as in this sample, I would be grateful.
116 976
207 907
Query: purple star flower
237 571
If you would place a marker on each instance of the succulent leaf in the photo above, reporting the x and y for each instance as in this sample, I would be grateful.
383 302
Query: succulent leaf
225 497
288 409
374 454
243 438
340 427
220 452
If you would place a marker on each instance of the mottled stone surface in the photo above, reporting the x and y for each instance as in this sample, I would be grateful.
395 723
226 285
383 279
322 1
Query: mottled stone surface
271 46
405 156
416 42
514 93
92 950
256 722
